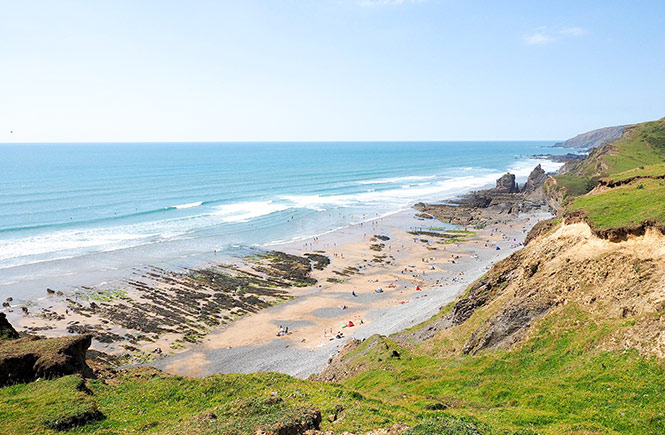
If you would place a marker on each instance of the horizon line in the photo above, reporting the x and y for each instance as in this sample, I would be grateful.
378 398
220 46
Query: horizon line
272 141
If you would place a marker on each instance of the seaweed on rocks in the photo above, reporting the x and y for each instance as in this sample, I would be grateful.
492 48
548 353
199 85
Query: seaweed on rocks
320 261
192 302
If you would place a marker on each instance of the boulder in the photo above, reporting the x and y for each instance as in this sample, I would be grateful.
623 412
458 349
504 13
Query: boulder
29 358
506 184
537 178
7 331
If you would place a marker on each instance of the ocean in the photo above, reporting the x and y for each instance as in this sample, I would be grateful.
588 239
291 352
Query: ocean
70 210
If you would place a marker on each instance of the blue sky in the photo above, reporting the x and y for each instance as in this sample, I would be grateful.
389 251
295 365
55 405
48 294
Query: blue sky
160 70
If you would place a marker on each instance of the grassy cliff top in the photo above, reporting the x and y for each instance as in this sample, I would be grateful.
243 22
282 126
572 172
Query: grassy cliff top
650 171
631 169
641 145
629 205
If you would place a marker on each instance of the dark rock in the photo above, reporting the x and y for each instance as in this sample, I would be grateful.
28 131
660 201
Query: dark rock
536 179
206 416
506 184
29 358
479 294
50 291
7 331
505 328
560 158
320 261
479 200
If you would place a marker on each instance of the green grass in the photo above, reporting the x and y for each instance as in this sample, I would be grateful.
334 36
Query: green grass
43 406
644 145
651 171
552 385
574 185
628 205
146 401
471 233
45 348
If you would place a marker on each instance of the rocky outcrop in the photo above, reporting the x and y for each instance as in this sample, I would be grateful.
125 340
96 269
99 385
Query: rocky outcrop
559 158
506 328
488 206
593 165
537 178
594 138
506 184
7 331
29 358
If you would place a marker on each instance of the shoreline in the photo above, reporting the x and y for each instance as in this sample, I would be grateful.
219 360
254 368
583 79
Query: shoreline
314 316
290 306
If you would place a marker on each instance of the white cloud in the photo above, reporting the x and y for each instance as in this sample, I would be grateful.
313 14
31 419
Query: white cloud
573 31
542 35
539 37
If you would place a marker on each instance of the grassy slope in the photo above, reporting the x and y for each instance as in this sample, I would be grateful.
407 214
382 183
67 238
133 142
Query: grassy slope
628 205
575 185
645 145
551 385
642 145
649 171
640 156
147 401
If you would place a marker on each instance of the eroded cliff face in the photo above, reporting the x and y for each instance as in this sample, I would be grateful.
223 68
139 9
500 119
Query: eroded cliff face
610 282
619 286
29 358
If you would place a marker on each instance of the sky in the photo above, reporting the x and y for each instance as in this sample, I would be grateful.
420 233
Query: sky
326 70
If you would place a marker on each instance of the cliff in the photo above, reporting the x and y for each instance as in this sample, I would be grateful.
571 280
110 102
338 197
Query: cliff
593 139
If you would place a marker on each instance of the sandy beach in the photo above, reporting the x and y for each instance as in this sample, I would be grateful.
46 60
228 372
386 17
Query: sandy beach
285 307
417 274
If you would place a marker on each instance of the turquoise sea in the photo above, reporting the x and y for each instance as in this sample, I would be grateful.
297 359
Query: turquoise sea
77 208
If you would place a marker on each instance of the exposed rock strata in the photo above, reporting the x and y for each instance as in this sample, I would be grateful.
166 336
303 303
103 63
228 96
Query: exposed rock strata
537 178
492 205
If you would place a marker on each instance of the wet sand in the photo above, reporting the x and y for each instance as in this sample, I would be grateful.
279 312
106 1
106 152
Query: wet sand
359 264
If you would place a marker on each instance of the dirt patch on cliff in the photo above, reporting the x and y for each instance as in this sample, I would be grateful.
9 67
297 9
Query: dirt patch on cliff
29 358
